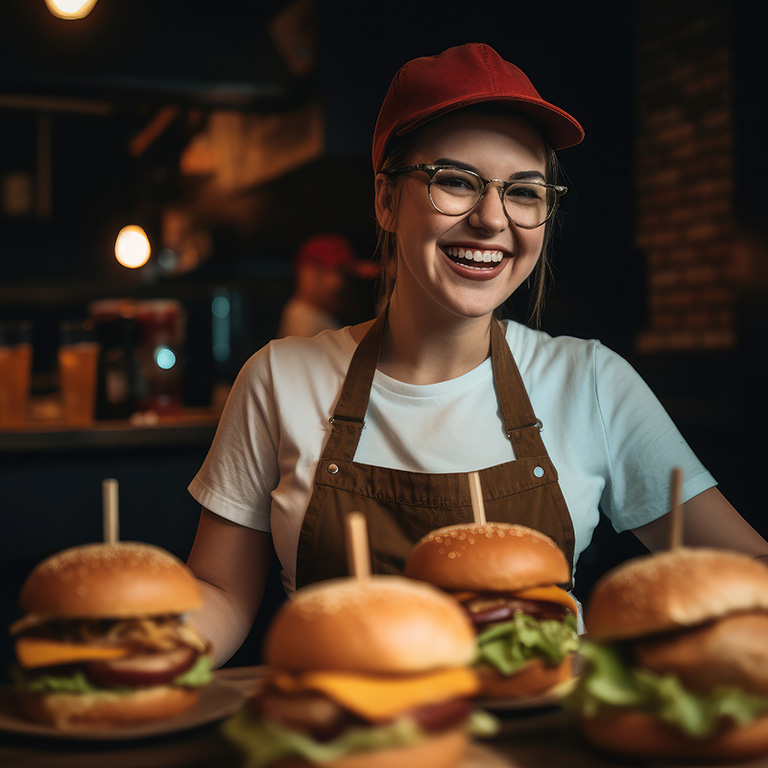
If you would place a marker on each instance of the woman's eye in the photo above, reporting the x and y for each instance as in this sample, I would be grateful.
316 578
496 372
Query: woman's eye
456 182
526 193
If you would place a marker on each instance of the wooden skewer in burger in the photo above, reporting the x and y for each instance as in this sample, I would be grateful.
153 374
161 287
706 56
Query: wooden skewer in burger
677 654
104 641
365 672
507 579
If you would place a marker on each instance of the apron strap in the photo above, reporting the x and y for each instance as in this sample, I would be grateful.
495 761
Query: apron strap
520 423
348 418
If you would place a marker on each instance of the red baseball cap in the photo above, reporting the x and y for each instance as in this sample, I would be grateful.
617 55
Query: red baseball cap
430 86
334 252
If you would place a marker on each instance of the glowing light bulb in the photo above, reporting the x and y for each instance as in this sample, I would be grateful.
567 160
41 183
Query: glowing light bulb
70 9
132 248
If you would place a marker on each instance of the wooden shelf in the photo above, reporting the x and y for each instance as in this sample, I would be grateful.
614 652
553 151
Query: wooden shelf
191 427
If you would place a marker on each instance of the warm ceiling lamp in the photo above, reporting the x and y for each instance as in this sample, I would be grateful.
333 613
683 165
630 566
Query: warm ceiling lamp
132 248
70 9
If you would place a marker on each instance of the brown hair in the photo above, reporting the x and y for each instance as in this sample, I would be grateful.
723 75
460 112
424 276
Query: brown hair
397 154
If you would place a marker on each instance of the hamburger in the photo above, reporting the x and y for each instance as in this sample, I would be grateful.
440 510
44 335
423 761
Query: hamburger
677 657
507 579
363 673
103 641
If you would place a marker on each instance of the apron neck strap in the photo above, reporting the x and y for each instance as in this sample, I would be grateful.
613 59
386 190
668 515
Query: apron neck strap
348 418
520 423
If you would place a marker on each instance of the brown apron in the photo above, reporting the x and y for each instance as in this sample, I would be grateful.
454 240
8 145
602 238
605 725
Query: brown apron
400 506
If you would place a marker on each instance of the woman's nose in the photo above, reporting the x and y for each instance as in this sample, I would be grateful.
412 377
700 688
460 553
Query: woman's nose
489 213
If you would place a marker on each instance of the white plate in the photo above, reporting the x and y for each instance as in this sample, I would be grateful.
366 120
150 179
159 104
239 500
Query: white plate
217 701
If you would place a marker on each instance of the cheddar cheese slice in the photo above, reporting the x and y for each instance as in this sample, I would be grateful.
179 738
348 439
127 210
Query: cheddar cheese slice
34 652
548 594
381 697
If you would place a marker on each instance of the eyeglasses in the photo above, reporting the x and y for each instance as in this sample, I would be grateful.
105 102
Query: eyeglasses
456 191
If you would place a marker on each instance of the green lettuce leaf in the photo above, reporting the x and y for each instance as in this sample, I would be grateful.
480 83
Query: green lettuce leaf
482 724
264 741
75 681
198 675
508 646
610 682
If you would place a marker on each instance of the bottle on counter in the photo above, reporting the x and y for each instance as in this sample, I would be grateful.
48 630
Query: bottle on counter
118 382
160 353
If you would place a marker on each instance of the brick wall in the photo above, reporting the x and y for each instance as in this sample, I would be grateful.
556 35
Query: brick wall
685 222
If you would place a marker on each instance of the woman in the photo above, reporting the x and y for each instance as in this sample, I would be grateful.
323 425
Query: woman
558 428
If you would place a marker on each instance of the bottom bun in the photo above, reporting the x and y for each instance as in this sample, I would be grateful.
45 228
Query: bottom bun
534 678
642 734
443 750
68 711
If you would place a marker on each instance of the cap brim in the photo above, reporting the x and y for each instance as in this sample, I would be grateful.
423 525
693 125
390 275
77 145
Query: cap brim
558 127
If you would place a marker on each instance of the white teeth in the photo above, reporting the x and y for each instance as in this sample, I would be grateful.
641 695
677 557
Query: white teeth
476 256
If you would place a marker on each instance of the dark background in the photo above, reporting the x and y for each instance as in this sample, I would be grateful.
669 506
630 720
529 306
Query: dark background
140 55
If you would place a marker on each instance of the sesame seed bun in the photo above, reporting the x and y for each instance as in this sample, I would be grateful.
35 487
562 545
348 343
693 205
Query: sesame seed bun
641 734
105 710
492 556
678 588
380 624
442 750
532 679
102 580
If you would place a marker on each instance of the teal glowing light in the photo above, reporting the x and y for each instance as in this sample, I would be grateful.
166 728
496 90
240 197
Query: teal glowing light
165 358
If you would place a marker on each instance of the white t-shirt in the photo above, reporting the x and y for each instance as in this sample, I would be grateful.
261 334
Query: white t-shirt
611 441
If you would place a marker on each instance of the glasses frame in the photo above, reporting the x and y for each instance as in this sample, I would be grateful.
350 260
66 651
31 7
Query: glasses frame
431 170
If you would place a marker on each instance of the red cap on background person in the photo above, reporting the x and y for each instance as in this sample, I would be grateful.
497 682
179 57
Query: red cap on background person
431 86
334 252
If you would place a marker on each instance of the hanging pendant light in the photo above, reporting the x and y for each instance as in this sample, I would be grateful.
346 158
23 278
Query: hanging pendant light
132 247
70 9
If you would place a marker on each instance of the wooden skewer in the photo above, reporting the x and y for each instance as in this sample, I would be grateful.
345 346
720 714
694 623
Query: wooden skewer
358 554
476 493
111 520
676 510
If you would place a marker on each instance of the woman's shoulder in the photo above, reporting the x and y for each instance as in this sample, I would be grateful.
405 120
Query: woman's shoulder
539 353
531 343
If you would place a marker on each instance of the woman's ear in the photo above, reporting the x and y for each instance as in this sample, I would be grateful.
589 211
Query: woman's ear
385 203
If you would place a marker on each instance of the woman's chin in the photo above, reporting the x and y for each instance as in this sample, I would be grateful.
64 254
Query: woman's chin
473 303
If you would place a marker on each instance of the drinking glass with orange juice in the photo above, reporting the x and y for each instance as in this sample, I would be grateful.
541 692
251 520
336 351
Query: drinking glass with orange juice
15 372
78 364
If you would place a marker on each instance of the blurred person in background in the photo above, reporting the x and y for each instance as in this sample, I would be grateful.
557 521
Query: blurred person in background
323 267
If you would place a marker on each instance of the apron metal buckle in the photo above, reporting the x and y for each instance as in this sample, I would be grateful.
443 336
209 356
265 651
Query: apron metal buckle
538 424
347 418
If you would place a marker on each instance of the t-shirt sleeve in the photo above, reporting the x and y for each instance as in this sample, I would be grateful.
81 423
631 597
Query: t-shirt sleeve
643 447
241 468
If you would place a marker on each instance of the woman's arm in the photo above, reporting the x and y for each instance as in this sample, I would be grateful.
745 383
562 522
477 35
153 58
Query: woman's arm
232 564
709 520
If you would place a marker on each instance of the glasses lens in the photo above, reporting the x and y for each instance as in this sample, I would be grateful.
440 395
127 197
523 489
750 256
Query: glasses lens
529 205
454 192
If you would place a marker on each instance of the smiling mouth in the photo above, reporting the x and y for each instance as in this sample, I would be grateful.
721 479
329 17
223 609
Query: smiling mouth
475 259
